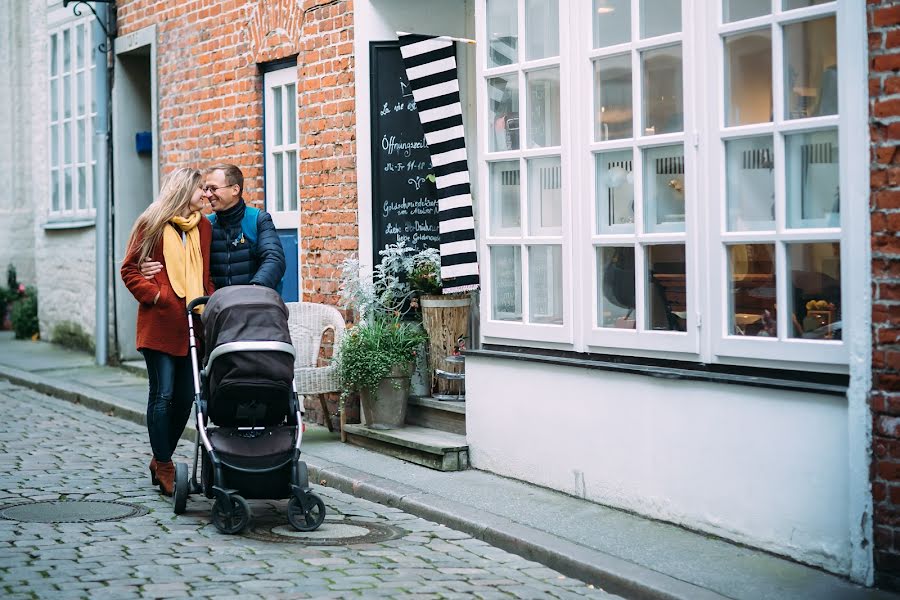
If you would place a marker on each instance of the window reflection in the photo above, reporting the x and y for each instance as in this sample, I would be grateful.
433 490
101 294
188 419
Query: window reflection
506 283
615 191
815 291
666 288
613 113
545 288
615 278
503 98
748 78
810 69
752 290
663 94
503 32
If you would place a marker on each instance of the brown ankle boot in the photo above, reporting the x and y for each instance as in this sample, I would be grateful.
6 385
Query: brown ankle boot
153 478
165 472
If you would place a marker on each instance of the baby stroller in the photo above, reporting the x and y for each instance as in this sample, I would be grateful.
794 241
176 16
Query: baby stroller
246 389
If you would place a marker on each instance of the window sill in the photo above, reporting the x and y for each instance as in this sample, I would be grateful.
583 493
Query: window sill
780 379
69 223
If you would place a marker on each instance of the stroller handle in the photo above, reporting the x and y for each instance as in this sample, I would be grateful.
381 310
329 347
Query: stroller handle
196 302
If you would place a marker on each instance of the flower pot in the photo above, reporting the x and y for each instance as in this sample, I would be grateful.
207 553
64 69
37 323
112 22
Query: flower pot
446 320
388 410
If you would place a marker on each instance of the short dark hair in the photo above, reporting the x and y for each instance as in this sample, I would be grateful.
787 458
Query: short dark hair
233 175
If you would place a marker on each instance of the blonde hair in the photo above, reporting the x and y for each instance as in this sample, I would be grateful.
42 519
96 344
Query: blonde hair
177 189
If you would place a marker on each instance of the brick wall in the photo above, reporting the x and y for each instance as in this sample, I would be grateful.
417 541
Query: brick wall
211 106
884 91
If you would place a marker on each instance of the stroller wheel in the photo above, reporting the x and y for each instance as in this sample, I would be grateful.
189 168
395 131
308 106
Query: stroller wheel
231 521
182 487
303 520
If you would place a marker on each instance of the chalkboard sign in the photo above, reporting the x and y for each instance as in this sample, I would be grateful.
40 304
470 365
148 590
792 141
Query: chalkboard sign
404 200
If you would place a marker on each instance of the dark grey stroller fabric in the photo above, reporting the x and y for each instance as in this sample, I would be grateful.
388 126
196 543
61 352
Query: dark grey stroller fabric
247 388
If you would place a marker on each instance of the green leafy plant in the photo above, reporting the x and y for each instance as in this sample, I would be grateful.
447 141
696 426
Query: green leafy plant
369 351
25 315
425 273
12 280
71 335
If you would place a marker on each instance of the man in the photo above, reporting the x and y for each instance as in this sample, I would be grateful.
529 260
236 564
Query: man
245 247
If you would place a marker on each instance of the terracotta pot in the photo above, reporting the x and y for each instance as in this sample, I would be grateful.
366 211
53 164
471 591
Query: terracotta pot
388 410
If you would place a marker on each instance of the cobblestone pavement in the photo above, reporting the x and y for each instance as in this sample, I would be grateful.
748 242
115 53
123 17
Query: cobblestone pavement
52 450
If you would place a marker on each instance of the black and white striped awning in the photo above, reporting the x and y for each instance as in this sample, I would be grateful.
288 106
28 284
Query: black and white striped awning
431 69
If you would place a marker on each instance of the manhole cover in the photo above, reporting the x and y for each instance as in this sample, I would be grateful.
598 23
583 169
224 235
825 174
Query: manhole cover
341 532
70 511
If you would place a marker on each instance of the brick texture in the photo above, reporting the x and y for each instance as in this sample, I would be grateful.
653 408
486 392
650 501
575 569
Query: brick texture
884 110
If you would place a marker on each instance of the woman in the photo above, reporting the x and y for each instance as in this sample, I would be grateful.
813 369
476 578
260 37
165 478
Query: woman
173 232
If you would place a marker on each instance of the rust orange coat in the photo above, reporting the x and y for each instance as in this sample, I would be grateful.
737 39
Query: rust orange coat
162 325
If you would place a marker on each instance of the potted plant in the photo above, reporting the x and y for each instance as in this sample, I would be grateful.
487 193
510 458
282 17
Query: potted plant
376 359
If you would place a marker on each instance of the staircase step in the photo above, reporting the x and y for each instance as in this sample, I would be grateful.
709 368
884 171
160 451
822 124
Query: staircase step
437 414
420 445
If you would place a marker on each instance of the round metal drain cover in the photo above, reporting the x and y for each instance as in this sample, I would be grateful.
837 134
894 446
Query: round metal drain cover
70 511
333 532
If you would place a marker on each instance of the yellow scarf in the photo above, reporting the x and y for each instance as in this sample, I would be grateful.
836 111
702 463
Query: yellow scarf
184 261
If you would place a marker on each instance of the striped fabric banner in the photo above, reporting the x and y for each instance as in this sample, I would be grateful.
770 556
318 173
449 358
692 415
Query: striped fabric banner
431 68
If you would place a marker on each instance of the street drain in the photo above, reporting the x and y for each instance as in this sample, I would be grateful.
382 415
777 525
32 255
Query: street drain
70 511
333 532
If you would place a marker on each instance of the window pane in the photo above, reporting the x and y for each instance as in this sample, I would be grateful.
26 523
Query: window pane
615 192
666 288
79 46
502 32
748 78
541 28
505 206
291 125
813 180
67 96
54 99
791 4
810 69
67 51
54 65
279 182
54 190
277 115
67 142
54 145
503 98
545 286
506 283
543 108
82 192
659 17
79 144
545 196
612 22
663 103
292 180
738 10
750 183
664 188
815 290
67 195
613 113
615 294
79 95
751 272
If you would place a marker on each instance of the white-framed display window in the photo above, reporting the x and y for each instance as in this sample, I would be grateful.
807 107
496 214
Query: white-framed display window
702 178
526 253
73 164
282 147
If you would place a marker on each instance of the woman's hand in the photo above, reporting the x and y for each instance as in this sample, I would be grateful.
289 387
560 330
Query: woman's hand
149 268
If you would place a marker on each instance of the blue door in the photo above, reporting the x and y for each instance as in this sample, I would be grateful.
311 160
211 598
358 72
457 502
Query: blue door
289 285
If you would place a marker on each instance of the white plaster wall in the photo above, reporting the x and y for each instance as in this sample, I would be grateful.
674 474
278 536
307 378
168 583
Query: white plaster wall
759 466
20 33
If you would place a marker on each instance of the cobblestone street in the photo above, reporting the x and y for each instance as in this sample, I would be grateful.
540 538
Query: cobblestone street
52 450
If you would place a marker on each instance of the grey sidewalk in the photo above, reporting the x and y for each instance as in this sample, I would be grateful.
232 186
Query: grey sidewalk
623 553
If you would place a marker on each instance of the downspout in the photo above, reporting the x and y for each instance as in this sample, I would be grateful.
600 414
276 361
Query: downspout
102 194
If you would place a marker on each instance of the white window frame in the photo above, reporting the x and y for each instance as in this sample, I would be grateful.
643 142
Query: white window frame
523 330
72 207
278 82
704 111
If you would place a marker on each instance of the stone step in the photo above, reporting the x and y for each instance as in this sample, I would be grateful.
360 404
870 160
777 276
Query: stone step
438 450
437 414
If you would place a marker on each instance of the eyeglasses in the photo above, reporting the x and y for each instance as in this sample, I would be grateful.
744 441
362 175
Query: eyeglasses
215 188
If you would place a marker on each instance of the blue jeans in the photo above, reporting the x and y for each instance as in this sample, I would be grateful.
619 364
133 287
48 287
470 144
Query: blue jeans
170 400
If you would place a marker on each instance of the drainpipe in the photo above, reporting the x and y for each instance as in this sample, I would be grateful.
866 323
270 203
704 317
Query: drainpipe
102 188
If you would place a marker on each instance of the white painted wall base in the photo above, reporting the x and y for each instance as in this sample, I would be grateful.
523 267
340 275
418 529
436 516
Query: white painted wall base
763 467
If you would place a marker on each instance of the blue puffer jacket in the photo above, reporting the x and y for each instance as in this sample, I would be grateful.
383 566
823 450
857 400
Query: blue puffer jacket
236 260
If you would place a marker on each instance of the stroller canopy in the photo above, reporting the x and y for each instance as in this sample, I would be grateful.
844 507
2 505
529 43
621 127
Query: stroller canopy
242 313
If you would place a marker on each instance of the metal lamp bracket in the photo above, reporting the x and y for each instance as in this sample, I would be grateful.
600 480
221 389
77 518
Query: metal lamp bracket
76 9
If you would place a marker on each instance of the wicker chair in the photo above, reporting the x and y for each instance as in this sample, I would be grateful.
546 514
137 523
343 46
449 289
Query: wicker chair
308 322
